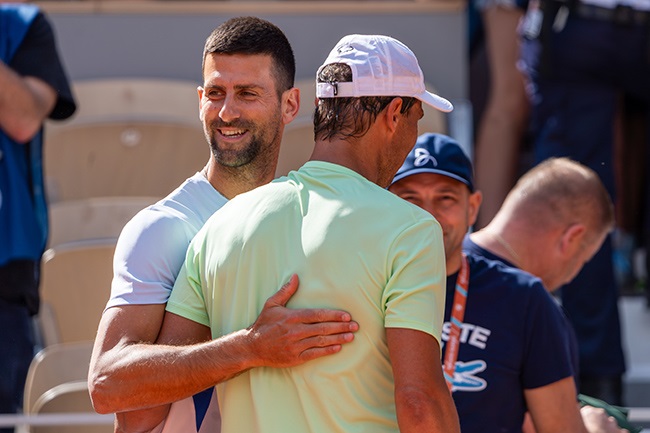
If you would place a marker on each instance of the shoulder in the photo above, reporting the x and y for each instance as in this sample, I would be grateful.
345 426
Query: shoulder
485 271
41 27
19 12
195 197
37 56
472 247
520 287
176 218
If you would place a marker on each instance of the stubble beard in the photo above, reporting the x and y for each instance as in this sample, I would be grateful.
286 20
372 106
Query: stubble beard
226 155
259 151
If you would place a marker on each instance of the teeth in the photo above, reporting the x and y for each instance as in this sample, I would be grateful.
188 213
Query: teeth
232 133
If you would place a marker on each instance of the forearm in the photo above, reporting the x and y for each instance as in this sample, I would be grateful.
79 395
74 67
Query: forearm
137 376
142 421
418 411
24 103
422 401
553 408
127 374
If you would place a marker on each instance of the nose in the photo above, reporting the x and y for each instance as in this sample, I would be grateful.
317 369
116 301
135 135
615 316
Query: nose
229 109
430 207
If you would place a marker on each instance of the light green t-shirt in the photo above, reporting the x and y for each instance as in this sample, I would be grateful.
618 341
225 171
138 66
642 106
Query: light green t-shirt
356 247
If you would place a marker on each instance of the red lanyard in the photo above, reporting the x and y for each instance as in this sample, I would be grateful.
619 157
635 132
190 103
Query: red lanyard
456 322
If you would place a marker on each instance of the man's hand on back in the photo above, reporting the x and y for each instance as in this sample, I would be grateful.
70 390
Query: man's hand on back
284 337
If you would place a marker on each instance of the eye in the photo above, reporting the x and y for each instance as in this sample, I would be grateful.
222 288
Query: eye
447 199
247 93
410 198
213 93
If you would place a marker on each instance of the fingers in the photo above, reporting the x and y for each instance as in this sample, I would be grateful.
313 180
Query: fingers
311 331
285 345
282 296
318 352
315 315
284 337
320 315
320 346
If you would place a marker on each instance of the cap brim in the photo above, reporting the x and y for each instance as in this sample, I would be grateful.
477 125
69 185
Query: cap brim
413 171
437 102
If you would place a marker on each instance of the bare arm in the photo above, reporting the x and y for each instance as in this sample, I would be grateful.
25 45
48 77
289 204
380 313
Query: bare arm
179 367
503 123
25 102
422 400
124 337
554 408
128 372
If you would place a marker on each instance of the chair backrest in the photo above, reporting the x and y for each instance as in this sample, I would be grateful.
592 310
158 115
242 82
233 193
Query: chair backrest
129 137
298 139
75 286
57 383
54 365
93 218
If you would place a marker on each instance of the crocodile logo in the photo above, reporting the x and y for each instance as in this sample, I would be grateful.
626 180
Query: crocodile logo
465 378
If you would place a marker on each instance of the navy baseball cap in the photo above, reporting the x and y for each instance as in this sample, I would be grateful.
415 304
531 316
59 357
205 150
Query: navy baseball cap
438 154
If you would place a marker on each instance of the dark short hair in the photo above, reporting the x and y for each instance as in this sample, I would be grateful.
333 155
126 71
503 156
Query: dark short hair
252 35
348 117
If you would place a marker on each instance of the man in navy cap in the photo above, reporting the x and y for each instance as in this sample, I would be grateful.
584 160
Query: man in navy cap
505 348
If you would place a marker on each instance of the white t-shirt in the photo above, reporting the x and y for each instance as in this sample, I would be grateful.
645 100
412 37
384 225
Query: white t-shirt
151 248
149 254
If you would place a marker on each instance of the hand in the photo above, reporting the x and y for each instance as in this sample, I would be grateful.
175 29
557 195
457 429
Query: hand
283 337
597 421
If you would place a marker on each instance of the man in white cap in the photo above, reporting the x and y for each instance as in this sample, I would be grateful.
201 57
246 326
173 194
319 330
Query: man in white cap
355 246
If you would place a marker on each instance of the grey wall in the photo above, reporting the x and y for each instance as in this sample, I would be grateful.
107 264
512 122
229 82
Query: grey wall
100 45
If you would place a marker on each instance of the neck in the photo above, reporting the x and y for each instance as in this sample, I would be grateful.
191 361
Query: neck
232 181
346 153
453 262
499 243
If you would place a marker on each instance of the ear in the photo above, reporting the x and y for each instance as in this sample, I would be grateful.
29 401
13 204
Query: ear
199 91
572 238
475 200
290 104
392 114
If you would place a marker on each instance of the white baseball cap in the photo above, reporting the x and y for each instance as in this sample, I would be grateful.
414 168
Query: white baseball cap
381 66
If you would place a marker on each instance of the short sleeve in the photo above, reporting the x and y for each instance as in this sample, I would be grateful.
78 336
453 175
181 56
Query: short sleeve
38 57
148 256
547 358
414 297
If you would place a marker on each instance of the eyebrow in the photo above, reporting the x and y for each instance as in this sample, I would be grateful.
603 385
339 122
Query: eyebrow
237 86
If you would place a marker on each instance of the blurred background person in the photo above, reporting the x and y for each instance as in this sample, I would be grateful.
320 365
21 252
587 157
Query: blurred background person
34 87
580 58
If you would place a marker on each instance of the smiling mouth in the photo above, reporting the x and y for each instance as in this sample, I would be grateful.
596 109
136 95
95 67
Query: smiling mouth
232 133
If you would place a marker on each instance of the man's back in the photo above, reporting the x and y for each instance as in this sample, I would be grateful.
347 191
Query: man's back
355 246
